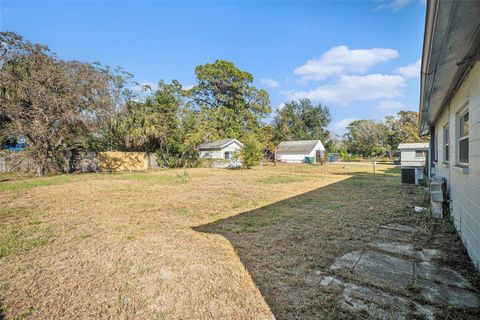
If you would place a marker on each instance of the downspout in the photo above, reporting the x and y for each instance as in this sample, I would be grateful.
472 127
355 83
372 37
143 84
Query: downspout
450 160
432 151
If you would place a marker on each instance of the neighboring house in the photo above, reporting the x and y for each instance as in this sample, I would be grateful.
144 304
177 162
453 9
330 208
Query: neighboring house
220 149
413 154
450 110
300 151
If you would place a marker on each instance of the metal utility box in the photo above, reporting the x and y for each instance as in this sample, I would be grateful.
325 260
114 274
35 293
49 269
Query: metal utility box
438 192
408 175
412 175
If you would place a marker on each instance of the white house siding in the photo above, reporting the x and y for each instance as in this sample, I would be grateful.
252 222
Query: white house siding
232 148
213 154
291 157
464 187
408 159
294 157
220 153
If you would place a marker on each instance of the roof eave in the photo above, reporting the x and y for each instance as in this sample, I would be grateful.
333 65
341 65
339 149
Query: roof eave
430 21
450 48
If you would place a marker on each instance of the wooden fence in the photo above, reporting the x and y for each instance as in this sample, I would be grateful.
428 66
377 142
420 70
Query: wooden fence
111 161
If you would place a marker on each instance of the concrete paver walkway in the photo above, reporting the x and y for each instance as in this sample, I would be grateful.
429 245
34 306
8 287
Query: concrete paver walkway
395 280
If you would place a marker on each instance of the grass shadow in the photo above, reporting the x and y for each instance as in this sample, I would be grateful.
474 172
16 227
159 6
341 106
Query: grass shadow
395 170
287 245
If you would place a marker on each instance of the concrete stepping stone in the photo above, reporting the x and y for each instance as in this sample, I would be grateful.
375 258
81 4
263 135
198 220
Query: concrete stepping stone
385 269
446 276
404 249
376 303
377 268
448 295
347 261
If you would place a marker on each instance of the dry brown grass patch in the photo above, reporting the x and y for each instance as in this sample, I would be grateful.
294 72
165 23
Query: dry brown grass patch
187 244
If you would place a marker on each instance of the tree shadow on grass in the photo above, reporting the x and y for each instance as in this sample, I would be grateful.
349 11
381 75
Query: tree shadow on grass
287 245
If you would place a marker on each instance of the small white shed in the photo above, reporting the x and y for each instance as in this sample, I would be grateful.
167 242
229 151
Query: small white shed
299 151
413 154
220 149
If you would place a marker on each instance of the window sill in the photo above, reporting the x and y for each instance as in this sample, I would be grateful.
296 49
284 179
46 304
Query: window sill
461 168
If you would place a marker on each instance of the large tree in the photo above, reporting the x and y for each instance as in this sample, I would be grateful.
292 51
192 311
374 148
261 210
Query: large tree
229 105
301 120
51 103
162 123
402 127
7 136
121 100
179 132
366 138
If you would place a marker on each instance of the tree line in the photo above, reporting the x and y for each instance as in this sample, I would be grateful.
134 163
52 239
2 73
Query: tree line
62 108
369 138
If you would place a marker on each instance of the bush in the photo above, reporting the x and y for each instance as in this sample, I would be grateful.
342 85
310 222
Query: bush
344 156
251 153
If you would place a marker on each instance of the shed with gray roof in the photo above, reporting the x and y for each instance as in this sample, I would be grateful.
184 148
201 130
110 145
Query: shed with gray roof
413 154
299 151
219 149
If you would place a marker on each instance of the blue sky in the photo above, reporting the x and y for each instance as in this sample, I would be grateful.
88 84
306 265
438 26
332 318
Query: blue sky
360 58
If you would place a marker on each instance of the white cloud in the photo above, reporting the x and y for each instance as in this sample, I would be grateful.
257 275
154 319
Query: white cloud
280 106
342 124
394 5
271 83
412 70
188 86
390 105
341 59
350 88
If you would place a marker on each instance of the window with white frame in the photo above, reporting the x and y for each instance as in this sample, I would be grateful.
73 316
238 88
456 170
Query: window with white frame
420 154
462 139
446 143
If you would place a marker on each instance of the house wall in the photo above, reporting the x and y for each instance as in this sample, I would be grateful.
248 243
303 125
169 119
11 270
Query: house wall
408 159
220 154
292 157
463 184
211 154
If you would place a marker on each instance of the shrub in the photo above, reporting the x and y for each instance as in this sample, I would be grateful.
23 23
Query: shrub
344 156
251 153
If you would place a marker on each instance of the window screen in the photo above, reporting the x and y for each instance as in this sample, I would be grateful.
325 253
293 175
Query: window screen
446 143
463 138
